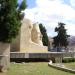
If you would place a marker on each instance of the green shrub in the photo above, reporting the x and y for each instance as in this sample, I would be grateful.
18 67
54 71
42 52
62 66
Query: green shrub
67 60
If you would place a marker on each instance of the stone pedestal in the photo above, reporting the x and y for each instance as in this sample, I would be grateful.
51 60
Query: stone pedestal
4 56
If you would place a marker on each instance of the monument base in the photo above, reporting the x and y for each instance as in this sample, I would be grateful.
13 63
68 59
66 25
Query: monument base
33 48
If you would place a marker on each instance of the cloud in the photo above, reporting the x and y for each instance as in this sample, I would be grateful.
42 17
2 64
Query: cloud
50 12
72 2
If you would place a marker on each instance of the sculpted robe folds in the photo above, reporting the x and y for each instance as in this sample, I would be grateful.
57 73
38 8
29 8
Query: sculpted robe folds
29 40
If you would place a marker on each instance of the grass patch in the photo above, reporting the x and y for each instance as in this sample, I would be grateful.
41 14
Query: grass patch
70 65
34 68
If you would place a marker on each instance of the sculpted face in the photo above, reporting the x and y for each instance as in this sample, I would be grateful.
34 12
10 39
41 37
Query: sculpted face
36 34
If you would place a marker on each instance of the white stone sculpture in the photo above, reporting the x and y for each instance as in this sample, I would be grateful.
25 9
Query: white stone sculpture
24 41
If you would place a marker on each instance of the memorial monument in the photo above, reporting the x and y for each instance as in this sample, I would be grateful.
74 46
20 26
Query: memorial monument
29 39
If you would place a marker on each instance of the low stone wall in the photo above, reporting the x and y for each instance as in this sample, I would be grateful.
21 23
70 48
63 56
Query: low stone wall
34 55
55 57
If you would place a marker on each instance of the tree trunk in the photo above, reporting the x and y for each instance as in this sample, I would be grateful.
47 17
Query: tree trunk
4 56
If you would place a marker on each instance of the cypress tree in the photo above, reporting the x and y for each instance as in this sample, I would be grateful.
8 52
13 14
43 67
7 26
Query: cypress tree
10 21
44 34
61 39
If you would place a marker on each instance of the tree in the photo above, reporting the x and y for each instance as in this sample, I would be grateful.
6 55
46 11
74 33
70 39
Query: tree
61 39
10 19
44 34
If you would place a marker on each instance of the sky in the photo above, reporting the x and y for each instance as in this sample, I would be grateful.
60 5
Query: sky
50 12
